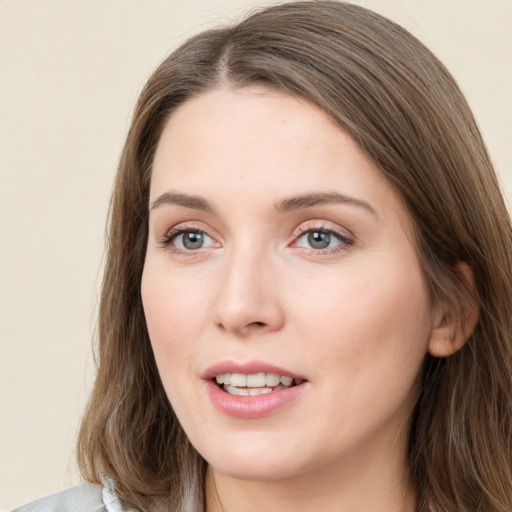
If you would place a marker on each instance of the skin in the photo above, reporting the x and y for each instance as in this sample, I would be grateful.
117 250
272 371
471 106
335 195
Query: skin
356 319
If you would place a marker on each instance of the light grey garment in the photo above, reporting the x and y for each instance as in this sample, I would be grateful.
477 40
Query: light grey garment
83 498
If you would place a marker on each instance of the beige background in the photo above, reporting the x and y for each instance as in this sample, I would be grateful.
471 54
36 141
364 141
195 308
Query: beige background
70 72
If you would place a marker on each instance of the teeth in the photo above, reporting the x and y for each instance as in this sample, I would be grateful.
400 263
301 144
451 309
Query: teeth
286 380
272 379
223 378
259 391
238 379
256 380
232 390
241 384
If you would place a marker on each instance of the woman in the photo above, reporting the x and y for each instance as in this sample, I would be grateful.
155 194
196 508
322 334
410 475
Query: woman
307 296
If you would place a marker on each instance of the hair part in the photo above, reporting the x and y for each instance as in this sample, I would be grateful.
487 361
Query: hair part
405 111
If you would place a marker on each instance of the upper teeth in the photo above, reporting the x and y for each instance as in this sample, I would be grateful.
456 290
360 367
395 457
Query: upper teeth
253 380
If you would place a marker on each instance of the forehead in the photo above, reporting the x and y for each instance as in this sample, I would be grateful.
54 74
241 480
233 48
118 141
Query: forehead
233 120
259 143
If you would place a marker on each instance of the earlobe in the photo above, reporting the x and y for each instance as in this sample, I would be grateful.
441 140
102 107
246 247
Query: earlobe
455 322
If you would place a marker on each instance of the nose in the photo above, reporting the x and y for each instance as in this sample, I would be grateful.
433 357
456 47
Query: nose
248 299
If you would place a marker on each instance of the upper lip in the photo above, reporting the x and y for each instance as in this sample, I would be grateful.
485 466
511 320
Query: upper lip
248 368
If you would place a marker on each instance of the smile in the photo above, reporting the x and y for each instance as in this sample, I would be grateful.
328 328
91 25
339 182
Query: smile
252 389
254 384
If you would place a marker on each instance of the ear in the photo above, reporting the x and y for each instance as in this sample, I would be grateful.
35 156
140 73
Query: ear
454 323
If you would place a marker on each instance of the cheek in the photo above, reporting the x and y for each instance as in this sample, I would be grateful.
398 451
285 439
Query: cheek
372 324
377 296
365 337
176 311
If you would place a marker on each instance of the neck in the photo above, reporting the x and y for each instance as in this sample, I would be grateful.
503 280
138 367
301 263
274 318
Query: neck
362 486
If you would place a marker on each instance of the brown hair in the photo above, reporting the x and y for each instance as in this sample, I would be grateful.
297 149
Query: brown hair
403 108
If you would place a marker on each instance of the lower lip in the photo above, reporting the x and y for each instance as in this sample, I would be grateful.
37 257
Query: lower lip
256 406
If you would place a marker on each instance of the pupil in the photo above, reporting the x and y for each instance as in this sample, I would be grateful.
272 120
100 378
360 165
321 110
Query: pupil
319 239
193 240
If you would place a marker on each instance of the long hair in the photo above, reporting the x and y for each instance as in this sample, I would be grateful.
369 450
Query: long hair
405 111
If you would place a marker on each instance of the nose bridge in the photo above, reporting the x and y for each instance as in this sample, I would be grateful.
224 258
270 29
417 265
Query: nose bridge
247 299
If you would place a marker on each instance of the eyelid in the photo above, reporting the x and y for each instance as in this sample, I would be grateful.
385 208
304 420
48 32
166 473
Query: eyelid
206 241
322 225
346 238
171 234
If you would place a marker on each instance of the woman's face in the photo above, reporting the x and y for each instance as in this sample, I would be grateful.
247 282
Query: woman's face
278 251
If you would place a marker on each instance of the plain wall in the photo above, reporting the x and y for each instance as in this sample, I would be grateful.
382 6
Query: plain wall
70 72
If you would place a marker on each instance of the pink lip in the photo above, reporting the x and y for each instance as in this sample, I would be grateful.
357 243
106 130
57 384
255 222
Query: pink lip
256 406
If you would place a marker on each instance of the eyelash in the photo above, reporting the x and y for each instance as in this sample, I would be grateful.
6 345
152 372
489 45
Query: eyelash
172 234
345 240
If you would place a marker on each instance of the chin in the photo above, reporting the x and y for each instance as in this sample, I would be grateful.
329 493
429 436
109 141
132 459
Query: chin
265 470
255 460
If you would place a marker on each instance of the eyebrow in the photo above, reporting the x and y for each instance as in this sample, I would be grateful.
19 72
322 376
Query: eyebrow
282 206
320 198
180 199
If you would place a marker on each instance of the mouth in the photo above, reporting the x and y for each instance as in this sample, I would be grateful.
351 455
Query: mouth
252 389
254 384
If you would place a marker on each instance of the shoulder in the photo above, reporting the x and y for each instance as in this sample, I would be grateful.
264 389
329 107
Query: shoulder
83 498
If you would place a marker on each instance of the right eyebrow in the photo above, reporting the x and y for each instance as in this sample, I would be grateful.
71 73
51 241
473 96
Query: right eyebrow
180 199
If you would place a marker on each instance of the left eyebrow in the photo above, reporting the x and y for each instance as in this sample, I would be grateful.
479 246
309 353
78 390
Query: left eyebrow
320 198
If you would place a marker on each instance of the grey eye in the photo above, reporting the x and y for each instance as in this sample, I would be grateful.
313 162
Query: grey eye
192 240
319 239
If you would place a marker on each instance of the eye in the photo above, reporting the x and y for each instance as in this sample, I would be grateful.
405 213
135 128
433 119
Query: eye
322 239
319 239
188 240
